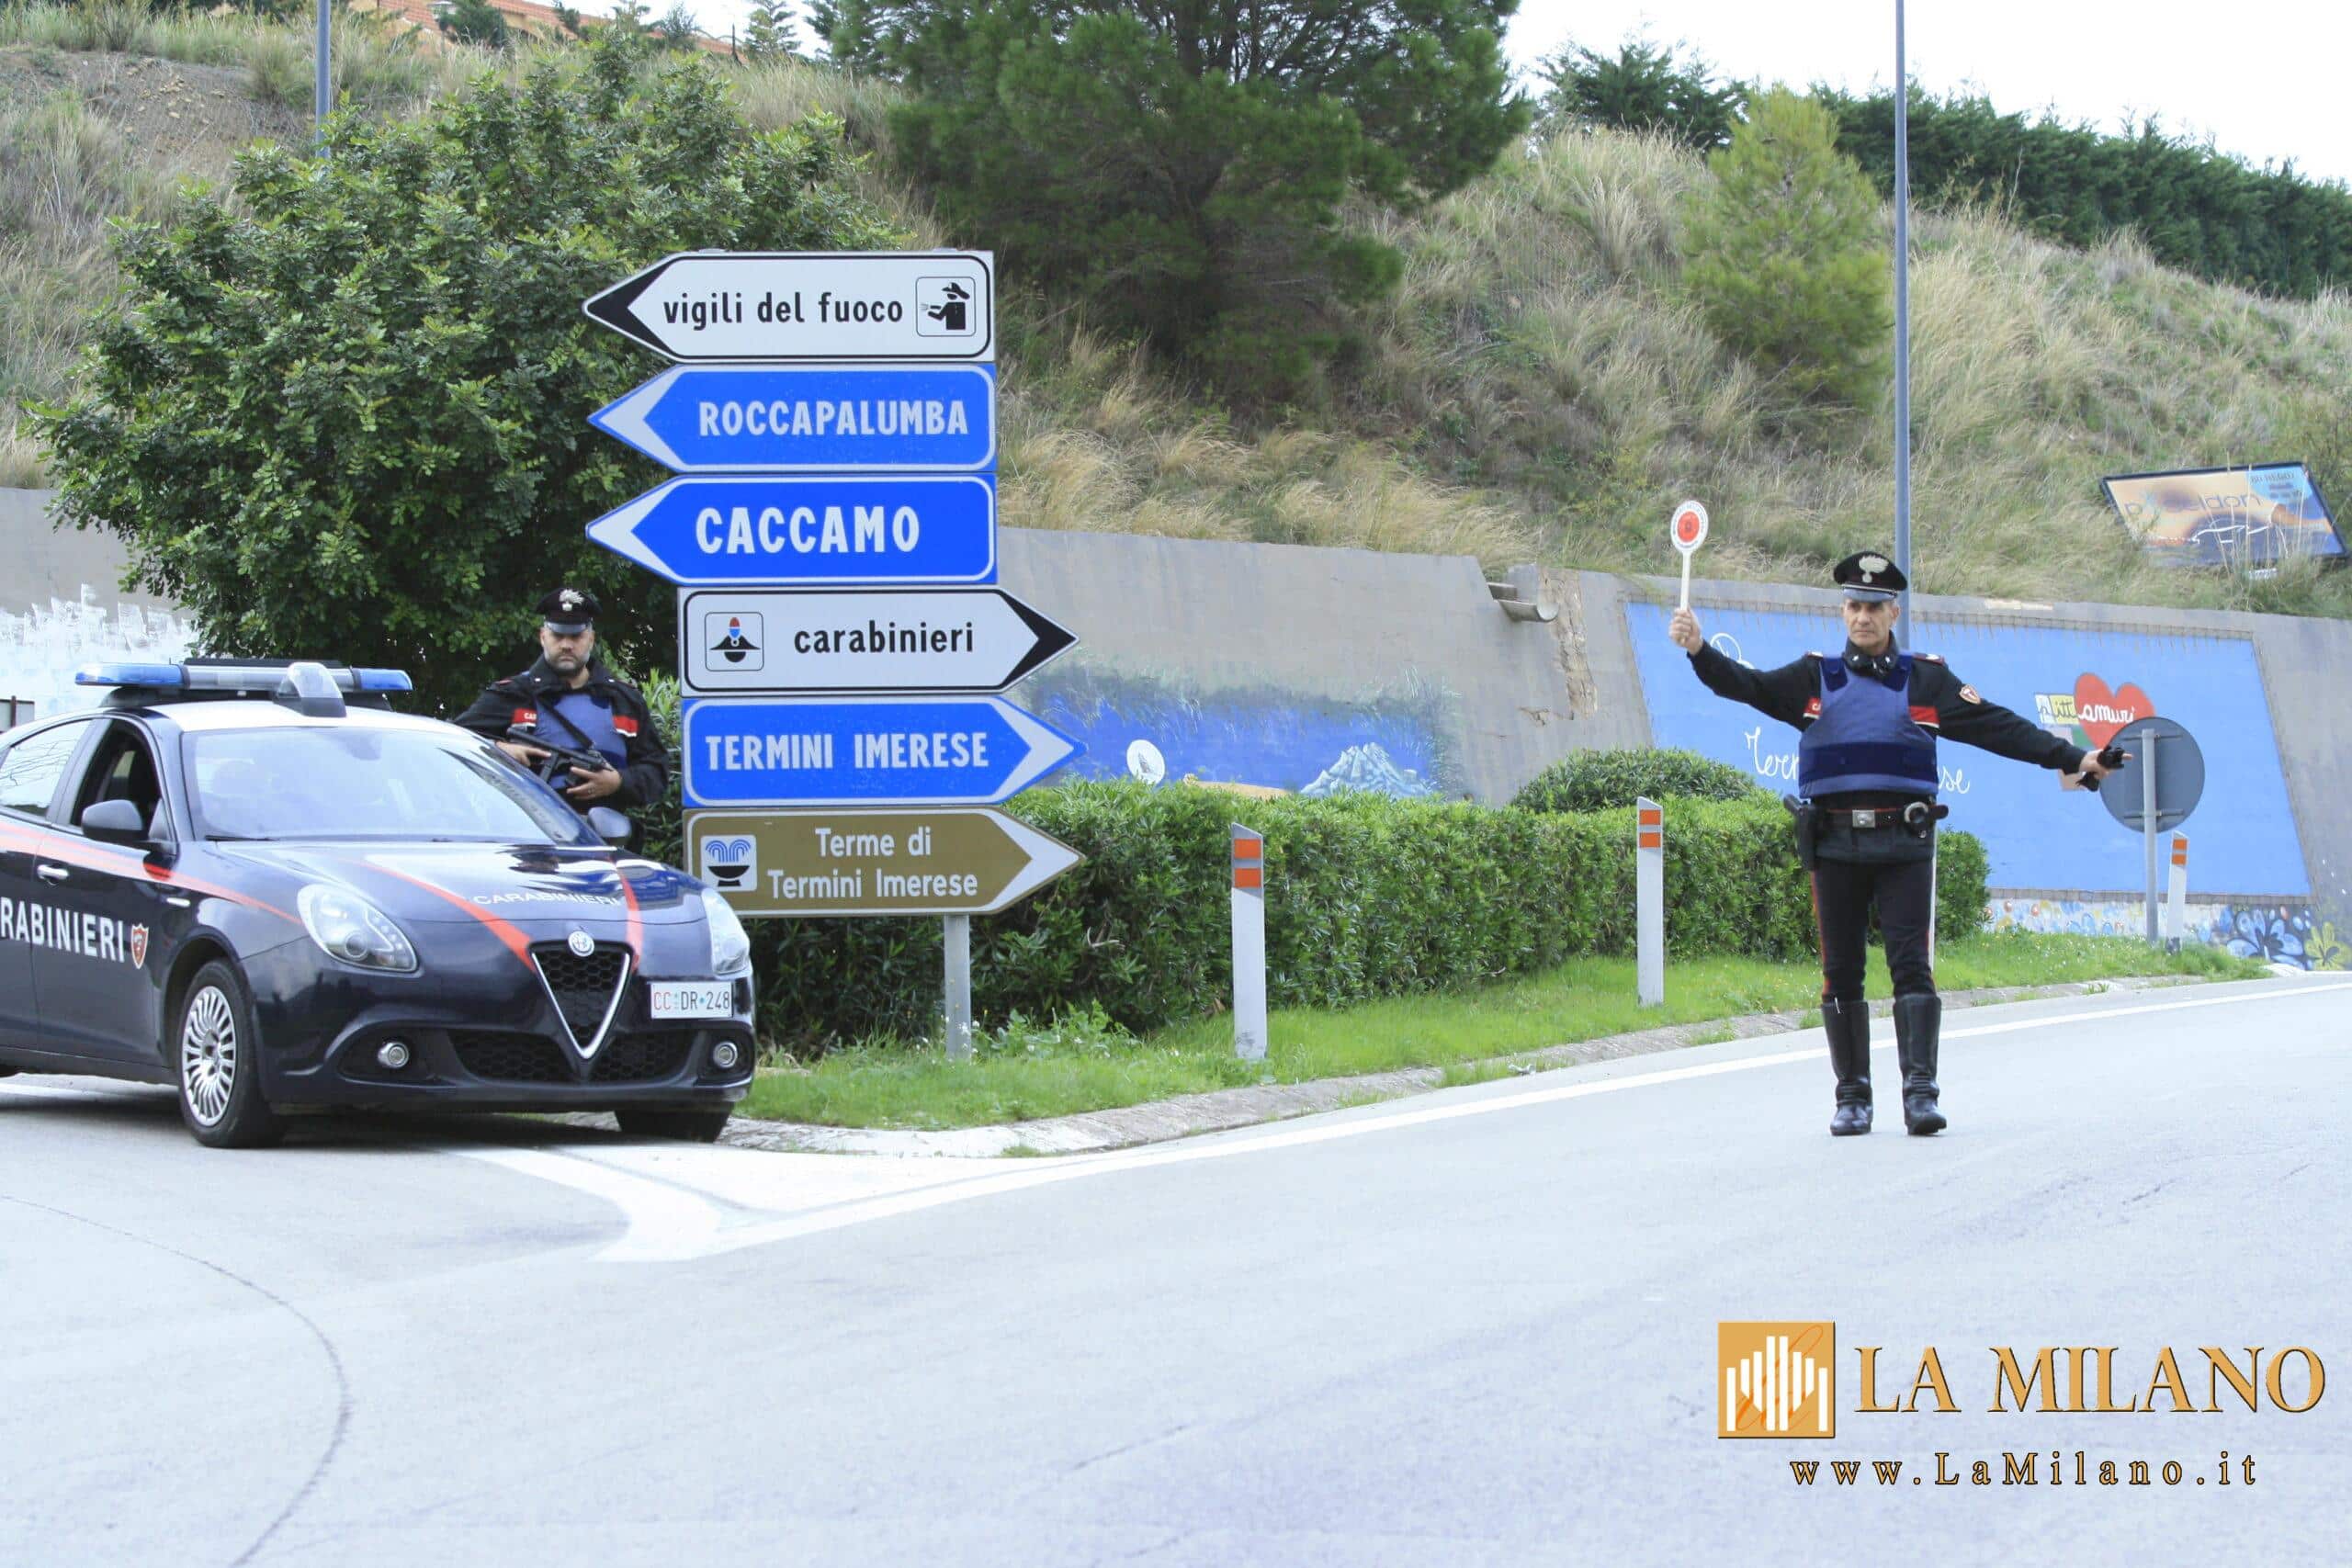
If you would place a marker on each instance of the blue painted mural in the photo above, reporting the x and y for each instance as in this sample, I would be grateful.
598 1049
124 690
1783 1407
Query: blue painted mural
1387 742
2082 684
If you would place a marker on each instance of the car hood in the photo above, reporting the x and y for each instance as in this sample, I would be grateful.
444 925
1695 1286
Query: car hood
543 890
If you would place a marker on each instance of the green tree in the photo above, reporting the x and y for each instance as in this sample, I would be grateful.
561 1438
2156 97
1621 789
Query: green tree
344 415
475 21
1181 166
1644 87
677 28
768 34
1784 250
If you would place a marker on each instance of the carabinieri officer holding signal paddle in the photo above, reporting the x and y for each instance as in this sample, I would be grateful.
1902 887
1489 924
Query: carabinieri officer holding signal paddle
1866 821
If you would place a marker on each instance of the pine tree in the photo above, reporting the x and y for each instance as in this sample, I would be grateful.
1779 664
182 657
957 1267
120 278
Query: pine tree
1784 254
769 35
477 22
1644 88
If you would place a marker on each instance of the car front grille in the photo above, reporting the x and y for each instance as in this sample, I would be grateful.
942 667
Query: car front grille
641 1058
582 987
531 1058
511 1058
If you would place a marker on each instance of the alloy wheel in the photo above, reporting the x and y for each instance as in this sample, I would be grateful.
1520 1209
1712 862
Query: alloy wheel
209 1055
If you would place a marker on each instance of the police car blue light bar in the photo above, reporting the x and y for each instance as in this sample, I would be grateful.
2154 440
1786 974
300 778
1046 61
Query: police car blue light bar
262 679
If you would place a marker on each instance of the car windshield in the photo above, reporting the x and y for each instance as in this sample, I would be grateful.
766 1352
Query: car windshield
356 782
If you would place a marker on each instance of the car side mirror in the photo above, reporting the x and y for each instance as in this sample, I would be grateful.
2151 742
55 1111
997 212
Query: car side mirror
115 822
609 825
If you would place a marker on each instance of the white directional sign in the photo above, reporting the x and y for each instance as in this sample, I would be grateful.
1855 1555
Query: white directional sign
775 642
786 306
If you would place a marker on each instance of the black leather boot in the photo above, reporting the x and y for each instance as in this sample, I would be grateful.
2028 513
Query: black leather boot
1918 1021
1848 1024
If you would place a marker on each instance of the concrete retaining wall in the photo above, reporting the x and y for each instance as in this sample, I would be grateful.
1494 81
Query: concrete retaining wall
1304 669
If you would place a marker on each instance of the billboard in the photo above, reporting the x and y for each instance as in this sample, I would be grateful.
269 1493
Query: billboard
2243 518
2081 684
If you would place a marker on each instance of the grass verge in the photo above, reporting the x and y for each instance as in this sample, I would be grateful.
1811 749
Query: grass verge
1078 1064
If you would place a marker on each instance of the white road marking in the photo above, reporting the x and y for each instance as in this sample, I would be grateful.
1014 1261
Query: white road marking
670 1220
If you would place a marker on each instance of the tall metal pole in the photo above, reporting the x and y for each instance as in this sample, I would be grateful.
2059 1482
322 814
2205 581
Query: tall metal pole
320 101
958 942
1902 311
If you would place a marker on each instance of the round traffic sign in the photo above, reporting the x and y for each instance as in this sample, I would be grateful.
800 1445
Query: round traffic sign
1689 527
2180 774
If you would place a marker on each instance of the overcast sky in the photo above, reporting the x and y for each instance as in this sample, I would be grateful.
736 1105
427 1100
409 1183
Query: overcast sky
2262 77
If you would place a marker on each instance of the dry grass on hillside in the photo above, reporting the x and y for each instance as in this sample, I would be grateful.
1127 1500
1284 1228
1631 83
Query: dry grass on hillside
1540 345
1538 387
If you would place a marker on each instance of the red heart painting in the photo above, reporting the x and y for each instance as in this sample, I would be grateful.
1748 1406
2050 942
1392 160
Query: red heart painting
2101 712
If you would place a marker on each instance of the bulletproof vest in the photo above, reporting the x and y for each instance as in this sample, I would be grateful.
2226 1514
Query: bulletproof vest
592 719
1866 736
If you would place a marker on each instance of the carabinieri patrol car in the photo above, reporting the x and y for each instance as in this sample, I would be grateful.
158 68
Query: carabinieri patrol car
256 881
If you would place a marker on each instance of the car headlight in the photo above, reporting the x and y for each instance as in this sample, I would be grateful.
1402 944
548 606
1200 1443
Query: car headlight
351 930
730 944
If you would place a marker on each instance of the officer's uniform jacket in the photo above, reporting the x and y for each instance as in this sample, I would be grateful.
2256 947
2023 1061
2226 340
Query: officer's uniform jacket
528 699
1939 702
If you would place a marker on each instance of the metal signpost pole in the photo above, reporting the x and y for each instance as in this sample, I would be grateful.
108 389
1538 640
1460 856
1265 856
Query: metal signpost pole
957 939
1902 313
320 102
2148 826
1649 901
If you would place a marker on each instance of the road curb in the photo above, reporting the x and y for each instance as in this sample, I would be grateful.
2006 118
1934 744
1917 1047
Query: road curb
1224 1110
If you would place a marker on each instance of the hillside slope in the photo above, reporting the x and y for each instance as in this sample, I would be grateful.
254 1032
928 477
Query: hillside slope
1535 390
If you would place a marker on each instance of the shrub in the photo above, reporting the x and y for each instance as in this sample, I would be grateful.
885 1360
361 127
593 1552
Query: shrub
1785 257
1366 896
1598 781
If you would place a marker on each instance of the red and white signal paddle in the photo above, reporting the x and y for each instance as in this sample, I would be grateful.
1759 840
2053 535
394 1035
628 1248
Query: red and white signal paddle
1690 533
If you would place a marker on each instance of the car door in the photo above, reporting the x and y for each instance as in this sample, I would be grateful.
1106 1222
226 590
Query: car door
99 986
32 766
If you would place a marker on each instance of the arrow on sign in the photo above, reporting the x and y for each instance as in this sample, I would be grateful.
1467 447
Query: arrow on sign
706 305
756 642
873 862
810 418
821 531
865 751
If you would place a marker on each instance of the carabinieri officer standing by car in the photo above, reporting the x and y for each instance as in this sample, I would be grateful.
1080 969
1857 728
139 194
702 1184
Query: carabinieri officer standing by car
1866 821
569 700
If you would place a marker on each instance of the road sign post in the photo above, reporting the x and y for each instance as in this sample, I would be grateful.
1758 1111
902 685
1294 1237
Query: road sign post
859 642
1249 943
836 427
936 861
1649 901
2160 782
955 940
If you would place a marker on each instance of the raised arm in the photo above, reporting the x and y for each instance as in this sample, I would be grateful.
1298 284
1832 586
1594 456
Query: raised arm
1779 693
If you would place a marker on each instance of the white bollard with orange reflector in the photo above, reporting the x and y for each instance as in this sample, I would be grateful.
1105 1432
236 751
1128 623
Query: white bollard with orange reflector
1249 943
2176 895
1649 901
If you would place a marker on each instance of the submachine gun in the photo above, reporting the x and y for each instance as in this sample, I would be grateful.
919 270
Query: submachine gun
560 762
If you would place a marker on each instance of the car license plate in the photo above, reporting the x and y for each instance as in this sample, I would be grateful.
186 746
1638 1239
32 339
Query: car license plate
694 999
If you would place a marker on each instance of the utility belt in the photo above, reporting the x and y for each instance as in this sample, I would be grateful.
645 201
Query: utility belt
1917 818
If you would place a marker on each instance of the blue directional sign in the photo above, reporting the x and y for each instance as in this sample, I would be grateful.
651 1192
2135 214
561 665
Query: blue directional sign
812 418
828 530
874 752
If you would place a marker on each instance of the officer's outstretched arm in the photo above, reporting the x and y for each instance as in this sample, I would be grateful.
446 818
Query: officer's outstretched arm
1963 715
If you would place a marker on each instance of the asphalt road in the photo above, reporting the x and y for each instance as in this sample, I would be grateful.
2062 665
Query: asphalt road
1476 1327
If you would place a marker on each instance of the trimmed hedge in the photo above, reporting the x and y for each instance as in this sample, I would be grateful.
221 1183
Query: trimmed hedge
1598 781
1366 896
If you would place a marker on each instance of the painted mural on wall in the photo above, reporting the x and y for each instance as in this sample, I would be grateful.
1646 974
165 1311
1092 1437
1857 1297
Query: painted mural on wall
2038 832
41 646
2293 934
1388 739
